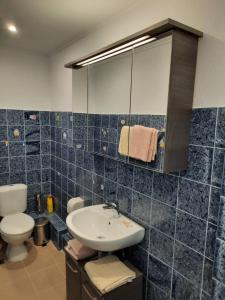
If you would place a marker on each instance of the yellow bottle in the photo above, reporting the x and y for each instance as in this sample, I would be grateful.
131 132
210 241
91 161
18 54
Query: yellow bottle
50 204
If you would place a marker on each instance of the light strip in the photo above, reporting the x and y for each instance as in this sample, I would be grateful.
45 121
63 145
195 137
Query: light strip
119 52
114 50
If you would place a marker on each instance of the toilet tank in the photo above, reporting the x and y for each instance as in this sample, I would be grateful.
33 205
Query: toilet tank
13 199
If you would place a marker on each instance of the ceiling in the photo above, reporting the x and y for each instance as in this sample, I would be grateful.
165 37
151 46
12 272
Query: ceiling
45 26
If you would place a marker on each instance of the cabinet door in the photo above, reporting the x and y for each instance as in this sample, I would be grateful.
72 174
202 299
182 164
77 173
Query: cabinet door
73 289
88 293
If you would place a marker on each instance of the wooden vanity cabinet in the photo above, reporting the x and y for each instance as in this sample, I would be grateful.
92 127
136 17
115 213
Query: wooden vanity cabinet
79 286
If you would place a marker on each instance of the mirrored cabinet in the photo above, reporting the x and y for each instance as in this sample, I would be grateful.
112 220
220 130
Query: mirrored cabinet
133 99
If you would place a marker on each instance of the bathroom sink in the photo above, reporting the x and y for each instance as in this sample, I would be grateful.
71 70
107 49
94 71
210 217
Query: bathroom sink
102 229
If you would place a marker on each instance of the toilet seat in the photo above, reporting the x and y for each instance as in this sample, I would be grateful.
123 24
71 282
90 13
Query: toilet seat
16 224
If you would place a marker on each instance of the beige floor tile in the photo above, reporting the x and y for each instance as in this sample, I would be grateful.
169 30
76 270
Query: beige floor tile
38 259
20 289
57 292
9 272
47 278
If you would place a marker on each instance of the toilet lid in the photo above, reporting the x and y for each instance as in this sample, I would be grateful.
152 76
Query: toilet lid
16 224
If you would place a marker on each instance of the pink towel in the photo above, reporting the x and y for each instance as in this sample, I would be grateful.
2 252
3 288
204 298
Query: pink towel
78 250
140 142
153 145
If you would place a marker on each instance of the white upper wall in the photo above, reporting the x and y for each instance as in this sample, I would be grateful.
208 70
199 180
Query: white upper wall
205 15
24 80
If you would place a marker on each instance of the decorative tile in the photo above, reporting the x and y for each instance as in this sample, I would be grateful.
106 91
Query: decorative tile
11 133
183 289
161 246
165 188
125 174
193 198
143 181
159 274
203 126
15 117
163 217
188 262
31 117
199 164
191 231
218 167
141 207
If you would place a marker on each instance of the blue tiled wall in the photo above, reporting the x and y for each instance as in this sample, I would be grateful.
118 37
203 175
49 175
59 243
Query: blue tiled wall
179 211
26 158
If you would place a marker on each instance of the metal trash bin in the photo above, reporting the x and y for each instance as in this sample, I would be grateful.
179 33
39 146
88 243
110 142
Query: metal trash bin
41 231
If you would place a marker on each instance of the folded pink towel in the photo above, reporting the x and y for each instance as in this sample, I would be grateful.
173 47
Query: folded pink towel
78 250
153 145
140 142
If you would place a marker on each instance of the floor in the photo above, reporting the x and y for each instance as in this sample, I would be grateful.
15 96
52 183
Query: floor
40 276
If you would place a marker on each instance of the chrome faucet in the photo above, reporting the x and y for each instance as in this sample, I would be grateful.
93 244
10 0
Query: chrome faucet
112 205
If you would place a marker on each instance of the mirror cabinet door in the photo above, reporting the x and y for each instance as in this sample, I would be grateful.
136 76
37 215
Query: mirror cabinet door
150 85
108 103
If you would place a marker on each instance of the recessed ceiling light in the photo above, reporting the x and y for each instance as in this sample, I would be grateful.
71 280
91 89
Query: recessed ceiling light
12 28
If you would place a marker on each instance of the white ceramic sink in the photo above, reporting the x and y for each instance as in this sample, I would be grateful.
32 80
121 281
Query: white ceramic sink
102 229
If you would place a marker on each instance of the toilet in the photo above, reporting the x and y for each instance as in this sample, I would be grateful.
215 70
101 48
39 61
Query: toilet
16 226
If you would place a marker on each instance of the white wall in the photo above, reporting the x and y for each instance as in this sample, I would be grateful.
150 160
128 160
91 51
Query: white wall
24 80
205 15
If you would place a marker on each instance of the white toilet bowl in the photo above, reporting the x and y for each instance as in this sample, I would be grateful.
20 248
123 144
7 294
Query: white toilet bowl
15 229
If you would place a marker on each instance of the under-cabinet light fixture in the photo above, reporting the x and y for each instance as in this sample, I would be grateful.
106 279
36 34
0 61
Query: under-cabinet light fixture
115 49
116 52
